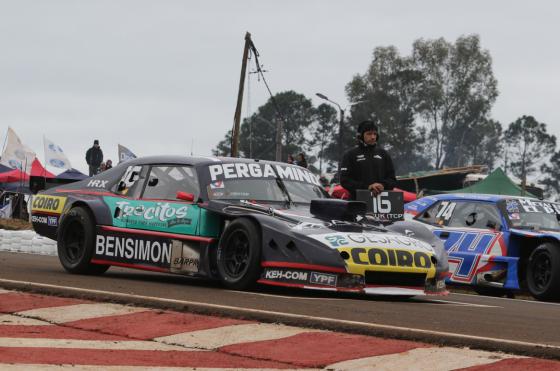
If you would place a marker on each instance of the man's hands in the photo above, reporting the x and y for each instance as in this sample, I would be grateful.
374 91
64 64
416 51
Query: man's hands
376 188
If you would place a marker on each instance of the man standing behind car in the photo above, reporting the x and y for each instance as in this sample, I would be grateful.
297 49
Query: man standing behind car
94 158
367 166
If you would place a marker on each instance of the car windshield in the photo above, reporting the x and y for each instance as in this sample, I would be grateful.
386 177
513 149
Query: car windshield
532 214
263 182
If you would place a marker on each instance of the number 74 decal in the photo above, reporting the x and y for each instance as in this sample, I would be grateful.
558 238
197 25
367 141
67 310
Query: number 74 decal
466 248
445 210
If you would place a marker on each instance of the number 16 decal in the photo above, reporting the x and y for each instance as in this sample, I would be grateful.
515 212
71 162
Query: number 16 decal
380 204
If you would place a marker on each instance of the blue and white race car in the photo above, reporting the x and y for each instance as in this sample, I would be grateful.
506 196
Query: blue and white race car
496 243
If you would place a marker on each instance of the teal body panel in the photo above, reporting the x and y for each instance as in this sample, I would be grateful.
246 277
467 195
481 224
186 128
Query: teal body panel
161 216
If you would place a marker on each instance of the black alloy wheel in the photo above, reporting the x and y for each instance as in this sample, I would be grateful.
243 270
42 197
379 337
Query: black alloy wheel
543 272
76 243
239 254
74 239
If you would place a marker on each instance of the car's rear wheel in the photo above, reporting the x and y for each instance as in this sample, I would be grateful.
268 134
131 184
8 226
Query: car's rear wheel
76 241
239 255
543 272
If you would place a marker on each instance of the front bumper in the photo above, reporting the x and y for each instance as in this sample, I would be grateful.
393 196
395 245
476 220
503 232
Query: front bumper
373 282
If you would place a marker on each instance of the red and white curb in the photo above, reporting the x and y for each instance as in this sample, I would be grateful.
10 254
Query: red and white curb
39 332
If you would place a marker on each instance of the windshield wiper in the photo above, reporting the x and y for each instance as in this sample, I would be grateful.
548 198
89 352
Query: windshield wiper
284 190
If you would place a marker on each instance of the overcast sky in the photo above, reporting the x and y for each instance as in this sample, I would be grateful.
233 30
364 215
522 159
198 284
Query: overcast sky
158 76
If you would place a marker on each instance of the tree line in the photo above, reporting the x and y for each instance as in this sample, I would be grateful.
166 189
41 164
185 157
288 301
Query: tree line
434 111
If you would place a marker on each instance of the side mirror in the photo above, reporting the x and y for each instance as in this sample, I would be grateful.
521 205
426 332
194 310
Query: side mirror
185 196
121 186
491 224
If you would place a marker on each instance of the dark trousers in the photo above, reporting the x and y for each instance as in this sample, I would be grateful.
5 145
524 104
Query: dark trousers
93 170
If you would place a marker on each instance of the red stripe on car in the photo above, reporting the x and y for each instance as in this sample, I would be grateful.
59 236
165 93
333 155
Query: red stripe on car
128 265
159 234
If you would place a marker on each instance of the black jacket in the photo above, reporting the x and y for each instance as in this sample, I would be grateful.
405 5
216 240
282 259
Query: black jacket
364 165
94 156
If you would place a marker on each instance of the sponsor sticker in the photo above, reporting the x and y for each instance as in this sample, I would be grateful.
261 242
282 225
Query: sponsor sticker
295 276
512 206
153 215
389 258
97 183
532 206
338 240
258 171
185 257
132 249
285 275
325 279
218 184
52 221
40 219
49 204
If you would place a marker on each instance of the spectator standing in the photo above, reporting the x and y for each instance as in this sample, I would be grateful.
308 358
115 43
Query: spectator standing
291 160
301 161
367 166
94 158
108 164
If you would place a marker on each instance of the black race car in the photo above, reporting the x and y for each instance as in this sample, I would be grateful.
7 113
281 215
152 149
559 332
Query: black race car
239 221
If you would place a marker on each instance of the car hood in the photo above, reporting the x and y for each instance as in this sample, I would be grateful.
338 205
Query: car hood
336 233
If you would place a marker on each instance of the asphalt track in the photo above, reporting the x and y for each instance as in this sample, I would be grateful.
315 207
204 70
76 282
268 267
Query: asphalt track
519 326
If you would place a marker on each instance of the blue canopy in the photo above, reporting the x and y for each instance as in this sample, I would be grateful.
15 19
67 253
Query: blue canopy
72 174
4 168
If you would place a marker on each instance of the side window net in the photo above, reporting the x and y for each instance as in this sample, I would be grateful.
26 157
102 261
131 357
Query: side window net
165 181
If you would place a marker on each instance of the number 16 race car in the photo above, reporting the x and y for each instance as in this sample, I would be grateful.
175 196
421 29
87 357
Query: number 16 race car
239 221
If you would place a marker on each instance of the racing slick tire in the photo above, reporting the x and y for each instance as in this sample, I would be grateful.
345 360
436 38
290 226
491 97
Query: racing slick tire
239 255
75 243
543 272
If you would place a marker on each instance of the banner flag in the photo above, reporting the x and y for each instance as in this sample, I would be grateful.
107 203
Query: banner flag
125 154
54 156
16 154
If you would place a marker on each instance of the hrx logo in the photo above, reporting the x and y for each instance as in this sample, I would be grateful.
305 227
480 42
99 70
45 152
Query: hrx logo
97 183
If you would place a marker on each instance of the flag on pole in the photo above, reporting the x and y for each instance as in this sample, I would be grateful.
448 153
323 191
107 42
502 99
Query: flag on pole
125 154
16 154
54 156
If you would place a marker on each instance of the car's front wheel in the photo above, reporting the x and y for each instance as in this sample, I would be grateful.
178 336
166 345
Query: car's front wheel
76 240
239 254
543 272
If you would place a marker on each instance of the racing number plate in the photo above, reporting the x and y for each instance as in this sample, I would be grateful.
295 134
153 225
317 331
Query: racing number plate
386 206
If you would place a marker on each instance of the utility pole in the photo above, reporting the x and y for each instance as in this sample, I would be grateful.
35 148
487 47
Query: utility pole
237 117
340 150
340 135
279 129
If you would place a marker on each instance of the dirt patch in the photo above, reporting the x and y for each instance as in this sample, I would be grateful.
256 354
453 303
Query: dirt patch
15 224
